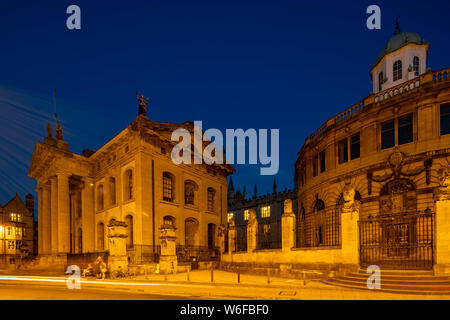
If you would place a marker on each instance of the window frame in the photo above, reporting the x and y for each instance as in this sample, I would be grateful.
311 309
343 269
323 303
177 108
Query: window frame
447 116
383 131
397 71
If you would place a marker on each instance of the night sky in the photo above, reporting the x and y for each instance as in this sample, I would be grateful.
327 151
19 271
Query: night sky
287 65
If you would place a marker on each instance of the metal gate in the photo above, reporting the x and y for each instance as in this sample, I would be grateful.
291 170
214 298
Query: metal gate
400 241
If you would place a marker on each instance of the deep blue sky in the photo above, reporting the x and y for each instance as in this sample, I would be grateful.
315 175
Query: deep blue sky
264 64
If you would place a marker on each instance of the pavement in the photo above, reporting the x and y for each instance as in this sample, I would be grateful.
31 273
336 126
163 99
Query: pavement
198 285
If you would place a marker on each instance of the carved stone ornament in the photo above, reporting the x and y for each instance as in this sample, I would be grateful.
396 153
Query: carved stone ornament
350 204
443 191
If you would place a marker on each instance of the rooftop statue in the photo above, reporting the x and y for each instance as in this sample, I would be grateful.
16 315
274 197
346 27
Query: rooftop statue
142 104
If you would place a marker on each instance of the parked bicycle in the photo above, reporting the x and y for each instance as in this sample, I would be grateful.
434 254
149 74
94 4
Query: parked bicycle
120 274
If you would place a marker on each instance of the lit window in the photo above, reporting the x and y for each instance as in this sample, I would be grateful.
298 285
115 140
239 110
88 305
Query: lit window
11 245
9 231
265 212
397 70
230 216
246 215
266 229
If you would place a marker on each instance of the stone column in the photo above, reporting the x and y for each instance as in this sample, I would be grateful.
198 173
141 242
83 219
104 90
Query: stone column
54 214
168 260
442 197
63 213
40 192
252 232
88 215
46 220
288 227
350 229
232 236
117 237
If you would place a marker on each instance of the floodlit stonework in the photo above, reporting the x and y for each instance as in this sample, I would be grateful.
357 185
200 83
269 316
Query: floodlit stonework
131 180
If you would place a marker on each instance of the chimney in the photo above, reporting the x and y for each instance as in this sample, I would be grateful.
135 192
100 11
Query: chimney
29 203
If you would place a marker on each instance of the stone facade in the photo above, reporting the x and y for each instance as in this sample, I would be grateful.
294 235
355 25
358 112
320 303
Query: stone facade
132 180
17 230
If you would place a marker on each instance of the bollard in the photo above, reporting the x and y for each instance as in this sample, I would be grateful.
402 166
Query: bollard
268 276
212 274
239 275
188 275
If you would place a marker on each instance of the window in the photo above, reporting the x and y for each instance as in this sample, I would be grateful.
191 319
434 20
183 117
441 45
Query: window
129 222
211 194
167 187
343 151
18 231
128 185
11 245
266 229
189 192
416 66
265 212
380 81
18 244
230 216
445 119
387 135
405 130
355 147
246 215
322 161
397 70
315 164
9 231
101 236
112 190
16 217
100 197
169 220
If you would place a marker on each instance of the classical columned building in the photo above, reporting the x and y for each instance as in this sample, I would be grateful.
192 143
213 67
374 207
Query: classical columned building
131 180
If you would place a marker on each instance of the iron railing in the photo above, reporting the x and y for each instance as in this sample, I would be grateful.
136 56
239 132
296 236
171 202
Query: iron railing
319 229
141 254
269 235
197 253
401 241
241 238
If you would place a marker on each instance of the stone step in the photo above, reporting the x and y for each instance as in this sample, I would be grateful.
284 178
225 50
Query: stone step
400 272
400 281
435 287
403 278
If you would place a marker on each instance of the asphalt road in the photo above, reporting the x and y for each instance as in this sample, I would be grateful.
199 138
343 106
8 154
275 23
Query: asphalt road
30 291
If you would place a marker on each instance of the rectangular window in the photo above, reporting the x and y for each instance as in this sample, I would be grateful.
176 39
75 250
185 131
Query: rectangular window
167 189
246 215
9 231
18 231
405 130
355 147
230 216
265 212
315 165
343 151
445 119
11 245
387 135
322 161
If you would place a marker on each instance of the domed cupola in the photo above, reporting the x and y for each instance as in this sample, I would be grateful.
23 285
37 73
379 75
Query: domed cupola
401 59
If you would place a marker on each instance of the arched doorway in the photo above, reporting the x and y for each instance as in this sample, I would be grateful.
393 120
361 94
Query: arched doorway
191 229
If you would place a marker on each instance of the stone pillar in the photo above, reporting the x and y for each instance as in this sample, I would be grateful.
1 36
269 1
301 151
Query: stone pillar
54 214
350 229
117 237
288 227
40 192
442 231
221 236
88 215
63 213
252 232
168 260
46 220
232 236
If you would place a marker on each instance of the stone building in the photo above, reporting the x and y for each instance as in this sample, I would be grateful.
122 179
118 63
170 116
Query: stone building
373 181
16 230
129 182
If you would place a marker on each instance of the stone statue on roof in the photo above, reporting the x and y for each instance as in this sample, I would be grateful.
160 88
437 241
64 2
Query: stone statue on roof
142 104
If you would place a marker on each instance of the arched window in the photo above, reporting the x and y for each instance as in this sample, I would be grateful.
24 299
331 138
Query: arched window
380 81
101 236
211 200
112 190
416 65
130 234
319 209
168 187
100 197
397 70
128 185
189 192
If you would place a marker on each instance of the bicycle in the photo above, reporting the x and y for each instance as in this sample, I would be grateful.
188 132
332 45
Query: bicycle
120 274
